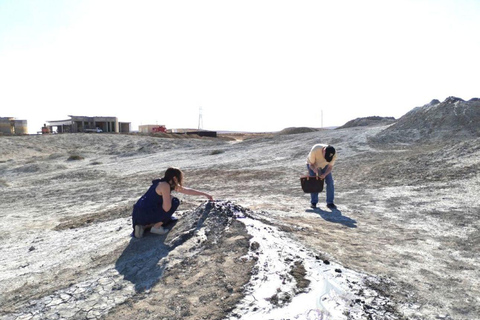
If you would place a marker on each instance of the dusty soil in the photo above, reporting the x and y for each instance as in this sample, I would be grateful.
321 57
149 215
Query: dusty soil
407 220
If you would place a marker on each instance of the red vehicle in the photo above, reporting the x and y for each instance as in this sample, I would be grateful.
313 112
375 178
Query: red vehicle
159 129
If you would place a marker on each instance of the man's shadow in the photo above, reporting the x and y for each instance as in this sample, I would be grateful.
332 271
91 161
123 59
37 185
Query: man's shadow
334 216
139 262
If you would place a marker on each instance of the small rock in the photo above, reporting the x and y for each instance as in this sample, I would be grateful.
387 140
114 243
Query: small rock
255 246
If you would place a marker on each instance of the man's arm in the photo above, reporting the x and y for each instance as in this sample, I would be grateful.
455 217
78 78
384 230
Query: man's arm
311 161
313 168
327 172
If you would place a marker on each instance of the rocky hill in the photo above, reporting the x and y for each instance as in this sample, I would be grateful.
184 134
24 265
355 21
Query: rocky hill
453 119
296 130
368 121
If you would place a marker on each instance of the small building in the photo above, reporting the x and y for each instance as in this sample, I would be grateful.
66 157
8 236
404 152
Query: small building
152 128
124 127
9 125
88 124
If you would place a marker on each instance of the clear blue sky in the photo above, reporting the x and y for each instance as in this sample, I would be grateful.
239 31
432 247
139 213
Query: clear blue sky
251 65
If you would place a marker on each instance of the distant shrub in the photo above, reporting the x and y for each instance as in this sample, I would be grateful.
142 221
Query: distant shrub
214 152
75 157
94 163
54 156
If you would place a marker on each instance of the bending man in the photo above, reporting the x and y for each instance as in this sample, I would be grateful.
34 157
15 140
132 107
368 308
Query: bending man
320 162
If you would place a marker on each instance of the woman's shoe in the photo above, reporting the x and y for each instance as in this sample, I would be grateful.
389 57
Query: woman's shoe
160 230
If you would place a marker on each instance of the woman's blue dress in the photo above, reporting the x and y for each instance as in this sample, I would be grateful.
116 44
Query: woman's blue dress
148 209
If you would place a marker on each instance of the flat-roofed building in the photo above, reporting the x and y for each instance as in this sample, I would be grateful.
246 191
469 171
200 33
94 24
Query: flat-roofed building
88 124
10 125
151 128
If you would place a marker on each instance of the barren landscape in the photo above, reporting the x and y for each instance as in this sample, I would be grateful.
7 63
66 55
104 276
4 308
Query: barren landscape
403 243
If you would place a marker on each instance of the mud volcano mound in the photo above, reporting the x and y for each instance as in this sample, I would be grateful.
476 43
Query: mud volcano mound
296 130
453 119
197 271
368 122
205 270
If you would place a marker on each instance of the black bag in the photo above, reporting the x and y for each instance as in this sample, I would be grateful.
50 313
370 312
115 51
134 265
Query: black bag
311 184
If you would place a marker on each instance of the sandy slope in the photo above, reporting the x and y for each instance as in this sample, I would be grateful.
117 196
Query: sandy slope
407 228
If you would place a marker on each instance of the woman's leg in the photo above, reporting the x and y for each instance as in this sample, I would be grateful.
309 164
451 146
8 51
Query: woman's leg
166 216
135 214
138 228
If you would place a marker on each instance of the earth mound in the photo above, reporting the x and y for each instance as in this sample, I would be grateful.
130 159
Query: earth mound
453 119
368 121
296 130
207 249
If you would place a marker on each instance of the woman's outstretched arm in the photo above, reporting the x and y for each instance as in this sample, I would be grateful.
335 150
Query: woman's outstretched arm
193 192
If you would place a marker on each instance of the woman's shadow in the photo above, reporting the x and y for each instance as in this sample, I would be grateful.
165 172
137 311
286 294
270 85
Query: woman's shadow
139 262
334 216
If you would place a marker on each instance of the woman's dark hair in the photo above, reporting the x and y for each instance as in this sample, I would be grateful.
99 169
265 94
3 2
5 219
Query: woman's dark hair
174 172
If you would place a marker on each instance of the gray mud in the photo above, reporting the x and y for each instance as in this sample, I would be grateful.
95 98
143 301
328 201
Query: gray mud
407 221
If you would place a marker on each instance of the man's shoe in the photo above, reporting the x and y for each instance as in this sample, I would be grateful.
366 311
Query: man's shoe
313 206
160 230
139 230
331 206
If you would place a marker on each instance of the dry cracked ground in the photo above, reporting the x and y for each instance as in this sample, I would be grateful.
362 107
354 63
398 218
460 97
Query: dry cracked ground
408 217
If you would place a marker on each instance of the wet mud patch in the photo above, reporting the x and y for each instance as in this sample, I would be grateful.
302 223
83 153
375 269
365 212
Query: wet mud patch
298 272
290 281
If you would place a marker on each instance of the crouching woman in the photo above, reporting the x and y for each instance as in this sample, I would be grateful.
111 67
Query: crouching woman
156 207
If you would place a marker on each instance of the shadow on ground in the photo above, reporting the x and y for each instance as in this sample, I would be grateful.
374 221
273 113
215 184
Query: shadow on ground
334 216
139 262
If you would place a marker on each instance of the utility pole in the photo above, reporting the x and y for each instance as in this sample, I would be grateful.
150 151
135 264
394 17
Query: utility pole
200 118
